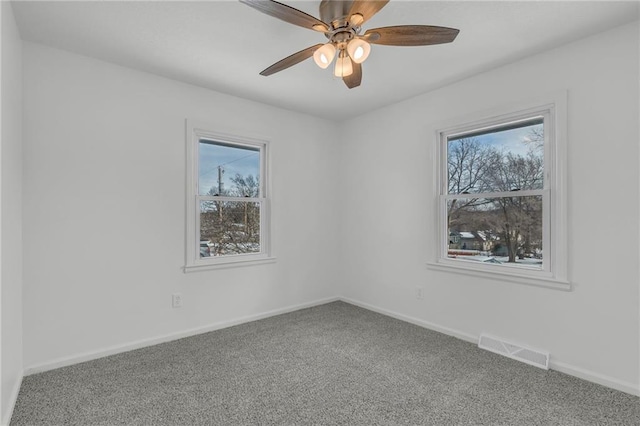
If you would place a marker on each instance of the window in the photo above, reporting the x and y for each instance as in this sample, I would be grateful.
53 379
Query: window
227 205
501 199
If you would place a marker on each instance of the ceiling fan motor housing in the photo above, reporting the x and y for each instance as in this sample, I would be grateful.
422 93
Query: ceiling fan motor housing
336 14
334 10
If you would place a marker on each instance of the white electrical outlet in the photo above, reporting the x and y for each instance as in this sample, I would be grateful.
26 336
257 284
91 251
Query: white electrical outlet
419 294
176 300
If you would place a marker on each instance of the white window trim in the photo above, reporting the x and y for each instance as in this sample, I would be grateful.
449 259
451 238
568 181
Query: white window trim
193 262
554 194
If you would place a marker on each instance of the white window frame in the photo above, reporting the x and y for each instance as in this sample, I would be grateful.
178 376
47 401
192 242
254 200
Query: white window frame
193 262
553 109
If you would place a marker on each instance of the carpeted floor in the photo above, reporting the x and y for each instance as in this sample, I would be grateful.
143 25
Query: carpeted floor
334 364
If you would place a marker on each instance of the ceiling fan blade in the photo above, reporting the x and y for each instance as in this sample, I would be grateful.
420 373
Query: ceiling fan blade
291 60
411 35
367 8
287 14
355 78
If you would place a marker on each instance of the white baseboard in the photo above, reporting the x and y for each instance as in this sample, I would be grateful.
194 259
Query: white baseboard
112 350
426 324
590 376
12 403
560 366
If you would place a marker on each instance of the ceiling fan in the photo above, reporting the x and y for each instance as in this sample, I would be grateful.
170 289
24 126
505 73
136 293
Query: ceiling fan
341 21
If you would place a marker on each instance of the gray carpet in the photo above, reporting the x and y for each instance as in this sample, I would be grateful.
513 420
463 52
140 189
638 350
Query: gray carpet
334 364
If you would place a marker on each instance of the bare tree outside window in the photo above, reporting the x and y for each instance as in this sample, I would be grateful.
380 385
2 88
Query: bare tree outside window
228 219
230 209
494 206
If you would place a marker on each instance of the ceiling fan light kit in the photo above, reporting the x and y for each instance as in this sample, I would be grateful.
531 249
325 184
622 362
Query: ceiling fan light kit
358 50
324 55
341 24
344 67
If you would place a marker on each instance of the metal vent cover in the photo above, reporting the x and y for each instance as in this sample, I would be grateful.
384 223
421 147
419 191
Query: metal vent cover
511 350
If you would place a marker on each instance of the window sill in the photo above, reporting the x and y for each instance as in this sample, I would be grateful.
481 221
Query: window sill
228 264
538 281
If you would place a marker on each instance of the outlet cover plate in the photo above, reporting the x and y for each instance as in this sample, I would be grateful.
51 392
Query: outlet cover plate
176 300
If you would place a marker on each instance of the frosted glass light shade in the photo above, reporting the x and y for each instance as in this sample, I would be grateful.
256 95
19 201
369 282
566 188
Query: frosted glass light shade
344 67
358 50
324 55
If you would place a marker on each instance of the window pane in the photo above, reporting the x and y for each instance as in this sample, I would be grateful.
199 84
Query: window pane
507 158
227 170
229 227
505 231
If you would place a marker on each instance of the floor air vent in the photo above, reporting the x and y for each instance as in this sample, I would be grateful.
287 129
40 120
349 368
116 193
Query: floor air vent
530 356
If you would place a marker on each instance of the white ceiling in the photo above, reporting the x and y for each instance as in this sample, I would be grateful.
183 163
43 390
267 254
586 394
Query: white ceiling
223 45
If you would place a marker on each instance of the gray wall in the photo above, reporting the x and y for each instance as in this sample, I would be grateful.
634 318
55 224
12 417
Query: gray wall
10 213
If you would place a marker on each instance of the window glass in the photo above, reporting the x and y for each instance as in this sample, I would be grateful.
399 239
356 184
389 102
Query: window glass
501 230
228 170
507 158
494 194
229 227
